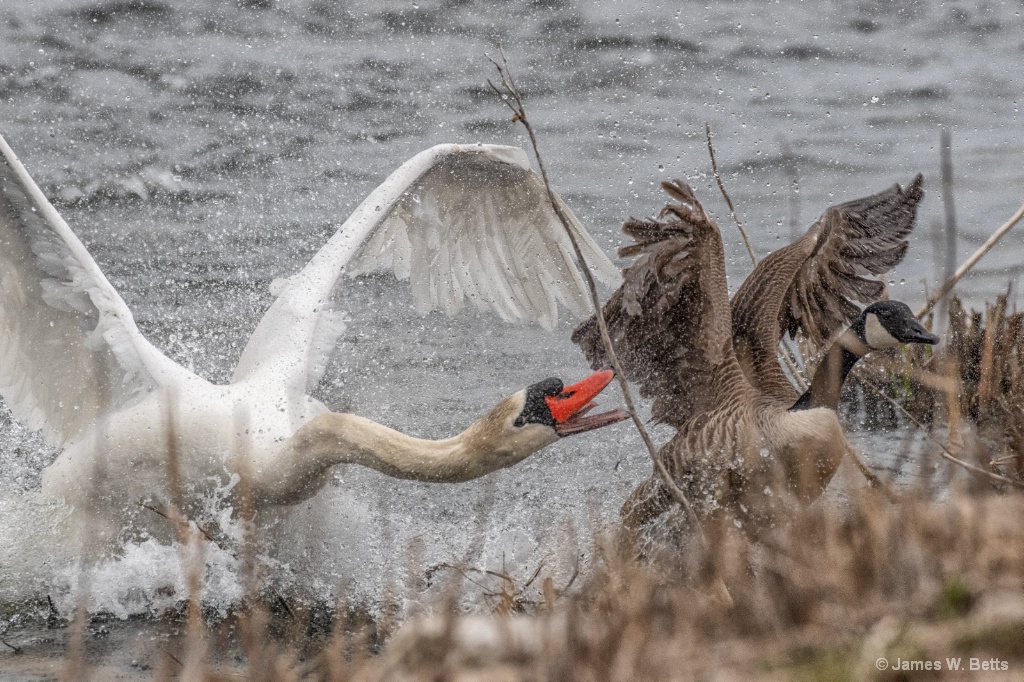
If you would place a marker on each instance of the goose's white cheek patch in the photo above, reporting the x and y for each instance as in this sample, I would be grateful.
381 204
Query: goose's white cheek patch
877 335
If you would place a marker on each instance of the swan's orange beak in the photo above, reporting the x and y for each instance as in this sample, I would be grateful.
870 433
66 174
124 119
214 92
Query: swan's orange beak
569 407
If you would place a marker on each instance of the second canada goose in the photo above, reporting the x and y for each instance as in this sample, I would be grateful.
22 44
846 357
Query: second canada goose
741 444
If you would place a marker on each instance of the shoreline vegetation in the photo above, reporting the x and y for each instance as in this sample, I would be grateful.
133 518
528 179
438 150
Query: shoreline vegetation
923 574
938 574
923 582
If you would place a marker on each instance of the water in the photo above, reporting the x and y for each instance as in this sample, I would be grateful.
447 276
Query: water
201 149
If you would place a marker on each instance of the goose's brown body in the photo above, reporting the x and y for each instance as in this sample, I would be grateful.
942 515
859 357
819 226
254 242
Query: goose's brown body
712 369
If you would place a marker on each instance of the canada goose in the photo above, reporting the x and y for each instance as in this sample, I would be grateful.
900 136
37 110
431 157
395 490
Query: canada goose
461 222
812 285
738 446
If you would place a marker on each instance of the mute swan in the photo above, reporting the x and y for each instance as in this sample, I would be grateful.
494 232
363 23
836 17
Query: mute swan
461 222
739 448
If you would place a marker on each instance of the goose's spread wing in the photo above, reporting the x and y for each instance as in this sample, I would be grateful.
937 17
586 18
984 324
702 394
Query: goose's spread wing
813 285
669 321
69 348
460 222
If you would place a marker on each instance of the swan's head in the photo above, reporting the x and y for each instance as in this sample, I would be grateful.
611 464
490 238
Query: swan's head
538 416
887 324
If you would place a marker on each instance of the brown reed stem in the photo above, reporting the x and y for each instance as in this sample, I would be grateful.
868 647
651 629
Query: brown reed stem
787 359
949 213
971 262
721 187
789 164
510 95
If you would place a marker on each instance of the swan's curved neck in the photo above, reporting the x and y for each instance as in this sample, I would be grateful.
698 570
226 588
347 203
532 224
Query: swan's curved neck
302 466
828 380
337 438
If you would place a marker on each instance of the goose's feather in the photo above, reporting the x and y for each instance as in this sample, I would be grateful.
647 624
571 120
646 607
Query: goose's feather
461 222
670 322
738 445
812 286
69 348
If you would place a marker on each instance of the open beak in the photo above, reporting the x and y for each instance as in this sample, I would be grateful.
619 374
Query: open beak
571 405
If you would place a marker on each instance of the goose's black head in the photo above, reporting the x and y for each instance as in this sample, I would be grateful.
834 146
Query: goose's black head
887 324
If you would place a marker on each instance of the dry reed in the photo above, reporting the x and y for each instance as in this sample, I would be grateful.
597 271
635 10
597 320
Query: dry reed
821 598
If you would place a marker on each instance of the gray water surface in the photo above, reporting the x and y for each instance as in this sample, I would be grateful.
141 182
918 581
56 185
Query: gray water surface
201 149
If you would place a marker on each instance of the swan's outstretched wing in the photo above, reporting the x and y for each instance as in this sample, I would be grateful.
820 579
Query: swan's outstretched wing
461 222
69 348
669 321
813 285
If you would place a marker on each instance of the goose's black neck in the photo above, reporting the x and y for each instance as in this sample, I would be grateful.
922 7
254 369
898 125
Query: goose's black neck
832 372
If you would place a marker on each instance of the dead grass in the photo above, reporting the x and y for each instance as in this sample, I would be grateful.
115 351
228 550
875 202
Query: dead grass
821 598
932 573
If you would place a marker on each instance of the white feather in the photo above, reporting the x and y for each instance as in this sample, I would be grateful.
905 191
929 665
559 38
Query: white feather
71 351
469 222
458 221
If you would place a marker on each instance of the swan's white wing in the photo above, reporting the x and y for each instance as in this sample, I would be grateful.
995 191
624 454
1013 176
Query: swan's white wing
69 348
460 222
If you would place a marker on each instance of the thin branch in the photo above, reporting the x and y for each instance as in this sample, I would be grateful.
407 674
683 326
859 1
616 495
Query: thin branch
789 162
173 657
945 453
464 573
873 480
202 530
511 96
971 262
282 602
575 574
534 576
721 186
15 649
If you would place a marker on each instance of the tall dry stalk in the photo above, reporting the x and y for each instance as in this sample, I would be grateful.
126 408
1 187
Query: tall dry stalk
510 95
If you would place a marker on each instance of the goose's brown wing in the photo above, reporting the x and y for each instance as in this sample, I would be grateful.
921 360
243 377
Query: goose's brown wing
669 321
813 285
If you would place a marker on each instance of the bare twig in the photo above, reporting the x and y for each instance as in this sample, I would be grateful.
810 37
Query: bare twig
789 163
945 453
785 356
281 601
510 95
173 657
201 530
721 187
971 262
873 480
13 648
572 578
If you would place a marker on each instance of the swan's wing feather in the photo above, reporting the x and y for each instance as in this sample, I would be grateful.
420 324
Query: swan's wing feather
814 285
669 321
460 222
69 348
488 214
